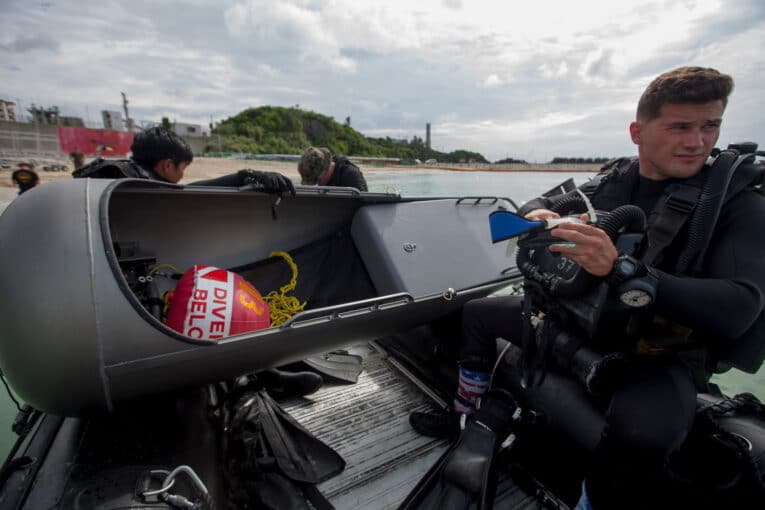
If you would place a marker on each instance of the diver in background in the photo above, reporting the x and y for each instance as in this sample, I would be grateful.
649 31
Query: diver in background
78 159
317 166
158 154
25 177
692 320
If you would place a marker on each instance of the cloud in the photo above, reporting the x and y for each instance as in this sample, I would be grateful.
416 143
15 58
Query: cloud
503 78
554 71
492 81
26 43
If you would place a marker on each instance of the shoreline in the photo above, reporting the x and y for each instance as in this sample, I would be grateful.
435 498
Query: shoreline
208 168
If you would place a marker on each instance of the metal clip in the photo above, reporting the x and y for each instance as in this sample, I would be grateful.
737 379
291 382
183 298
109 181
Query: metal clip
174 499
683 200
274 206
508 442
517 414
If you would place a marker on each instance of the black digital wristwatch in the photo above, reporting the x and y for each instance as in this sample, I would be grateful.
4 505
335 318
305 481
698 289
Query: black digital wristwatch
635 284
626 267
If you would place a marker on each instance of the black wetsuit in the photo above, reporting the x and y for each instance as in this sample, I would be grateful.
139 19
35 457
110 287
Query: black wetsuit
653 404
347 174
269 182
101 168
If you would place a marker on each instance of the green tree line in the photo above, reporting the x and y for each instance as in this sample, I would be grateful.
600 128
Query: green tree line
279 130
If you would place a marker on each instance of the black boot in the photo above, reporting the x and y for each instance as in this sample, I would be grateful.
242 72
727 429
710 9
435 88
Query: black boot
446 424
441 424
283 385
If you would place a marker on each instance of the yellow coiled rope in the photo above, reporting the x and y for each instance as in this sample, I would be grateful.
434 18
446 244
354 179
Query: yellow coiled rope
167 294
161 266
282 306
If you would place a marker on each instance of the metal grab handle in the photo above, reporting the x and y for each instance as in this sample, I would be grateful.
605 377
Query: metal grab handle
486 201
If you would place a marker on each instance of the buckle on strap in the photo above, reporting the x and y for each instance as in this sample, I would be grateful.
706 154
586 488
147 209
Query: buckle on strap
683 200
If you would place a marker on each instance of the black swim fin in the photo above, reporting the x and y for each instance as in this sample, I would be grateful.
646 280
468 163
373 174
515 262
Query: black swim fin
463 477
272 461
338 365
298 453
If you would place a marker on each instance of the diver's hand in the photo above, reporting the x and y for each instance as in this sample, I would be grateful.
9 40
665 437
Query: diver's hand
593 250
541 215
267 182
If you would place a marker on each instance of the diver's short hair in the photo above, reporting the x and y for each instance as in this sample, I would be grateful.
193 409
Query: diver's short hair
313 162
151 146
684 85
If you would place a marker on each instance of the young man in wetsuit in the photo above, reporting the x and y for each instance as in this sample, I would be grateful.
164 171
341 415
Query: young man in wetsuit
652 402
317 166
158 154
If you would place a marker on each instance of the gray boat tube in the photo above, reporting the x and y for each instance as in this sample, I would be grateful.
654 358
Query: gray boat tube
76 340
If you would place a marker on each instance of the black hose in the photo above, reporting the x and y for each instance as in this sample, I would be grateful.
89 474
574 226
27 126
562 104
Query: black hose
626 216
570 204
630 217
707 211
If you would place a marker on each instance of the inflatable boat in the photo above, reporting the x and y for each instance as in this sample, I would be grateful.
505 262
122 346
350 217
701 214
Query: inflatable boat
77 256
124 411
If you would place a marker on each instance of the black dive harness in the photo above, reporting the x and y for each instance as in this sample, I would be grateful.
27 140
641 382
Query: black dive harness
101 168
560 296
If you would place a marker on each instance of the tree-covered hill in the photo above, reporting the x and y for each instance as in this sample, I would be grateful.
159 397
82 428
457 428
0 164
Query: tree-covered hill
278 130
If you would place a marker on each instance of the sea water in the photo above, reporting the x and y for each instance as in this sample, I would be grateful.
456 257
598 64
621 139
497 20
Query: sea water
516 186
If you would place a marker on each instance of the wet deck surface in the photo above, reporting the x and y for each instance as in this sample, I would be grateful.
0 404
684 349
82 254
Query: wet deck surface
367 423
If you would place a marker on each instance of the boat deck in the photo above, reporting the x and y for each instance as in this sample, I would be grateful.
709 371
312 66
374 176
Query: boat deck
367 424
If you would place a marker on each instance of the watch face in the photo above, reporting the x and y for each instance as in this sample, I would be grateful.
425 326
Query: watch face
635 298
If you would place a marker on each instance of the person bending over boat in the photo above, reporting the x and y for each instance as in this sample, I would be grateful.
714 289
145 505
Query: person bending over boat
673 344
317 166
161 155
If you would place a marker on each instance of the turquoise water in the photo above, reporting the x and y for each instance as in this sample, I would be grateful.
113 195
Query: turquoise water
519 187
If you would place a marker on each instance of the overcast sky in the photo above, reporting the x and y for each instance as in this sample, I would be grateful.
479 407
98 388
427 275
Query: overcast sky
528 79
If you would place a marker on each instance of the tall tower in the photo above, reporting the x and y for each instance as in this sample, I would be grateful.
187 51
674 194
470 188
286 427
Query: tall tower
427 135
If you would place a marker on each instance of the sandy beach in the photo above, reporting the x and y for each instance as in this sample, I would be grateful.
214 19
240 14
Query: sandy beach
206 168
200 168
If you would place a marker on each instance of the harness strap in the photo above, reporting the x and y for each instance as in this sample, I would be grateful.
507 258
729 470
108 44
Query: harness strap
528 342
668 218
537 340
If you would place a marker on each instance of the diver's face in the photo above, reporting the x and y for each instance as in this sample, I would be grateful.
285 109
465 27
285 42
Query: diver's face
171 171
679 140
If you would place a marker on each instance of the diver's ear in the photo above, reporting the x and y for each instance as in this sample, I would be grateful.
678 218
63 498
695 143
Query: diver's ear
163 165
164 168
635 132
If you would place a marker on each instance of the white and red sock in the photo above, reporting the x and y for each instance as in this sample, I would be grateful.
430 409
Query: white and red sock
472 385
